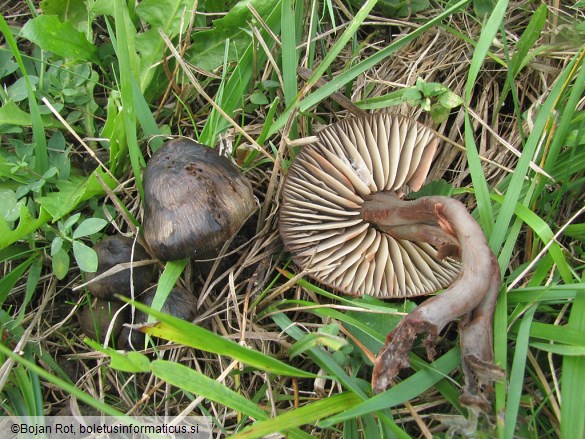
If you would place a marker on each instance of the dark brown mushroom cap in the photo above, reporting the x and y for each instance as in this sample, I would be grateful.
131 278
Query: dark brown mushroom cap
180 303
194 201
96 318
114 250
320 221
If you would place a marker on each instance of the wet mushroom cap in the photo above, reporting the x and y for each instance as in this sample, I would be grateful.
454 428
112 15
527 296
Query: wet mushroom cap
321 222
194 201
114 250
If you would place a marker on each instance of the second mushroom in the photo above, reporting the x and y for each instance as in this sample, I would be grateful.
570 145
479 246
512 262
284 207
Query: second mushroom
346 222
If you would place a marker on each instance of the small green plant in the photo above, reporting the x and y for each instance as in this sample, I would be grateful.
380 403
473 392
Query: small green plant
432 97
68 239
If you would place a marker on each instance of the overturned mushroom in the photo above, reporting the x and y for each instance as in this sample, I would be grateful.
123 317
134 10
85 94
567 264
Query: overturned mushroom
114 250
344 220
194 201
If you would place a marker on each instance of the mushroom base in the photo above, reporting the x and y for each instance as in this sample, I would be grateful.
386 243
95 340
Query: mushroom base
446 224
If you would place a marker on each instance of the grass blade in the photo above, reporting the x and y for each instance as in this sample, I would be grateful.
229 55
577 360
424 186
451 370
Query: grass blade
180 331
522 168
404 391
573 397
289 51
484 206
307 414
127 92
195 382
356 70
517 374
38 129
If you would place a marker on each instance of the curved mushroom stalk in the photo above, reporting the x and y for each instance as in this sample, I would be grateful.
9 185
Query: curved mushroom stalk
446 224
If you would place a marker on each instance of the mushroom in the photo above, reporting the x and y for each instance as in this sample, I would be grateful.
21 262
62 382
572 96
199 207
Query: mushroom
114 250
179 303
96 318
194 201
346 222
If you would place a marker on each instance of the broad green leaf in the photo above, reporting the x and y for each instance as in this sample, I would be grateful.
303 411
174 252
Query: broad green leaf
60 263
258 98
448 99
7 64
74 12
483 8
70 222
11 114
86 257
26 225
430 89
439 113
165 14
9 205
207 50
89 227
61 38
72 192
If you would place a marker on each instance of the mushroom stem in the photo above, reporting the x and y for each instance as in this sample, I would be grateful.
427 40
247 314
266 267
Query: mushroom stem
446 224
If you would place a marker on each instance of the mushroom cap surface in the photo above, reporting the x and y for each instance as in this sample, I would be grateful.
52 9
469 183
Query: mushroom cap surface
180 303
194 201
329 180
114 250
96 318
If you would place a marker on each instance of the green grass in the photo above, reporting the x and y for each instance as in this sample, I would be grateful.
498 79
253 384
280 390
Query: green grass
270 351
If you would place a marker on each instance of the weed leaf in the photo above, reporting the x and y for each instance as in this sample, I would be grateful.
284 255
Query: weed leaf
50 34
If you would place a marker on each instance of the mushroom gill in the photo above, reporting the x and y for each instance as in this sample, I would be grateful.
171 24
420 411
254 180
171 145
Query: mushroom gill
327 185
